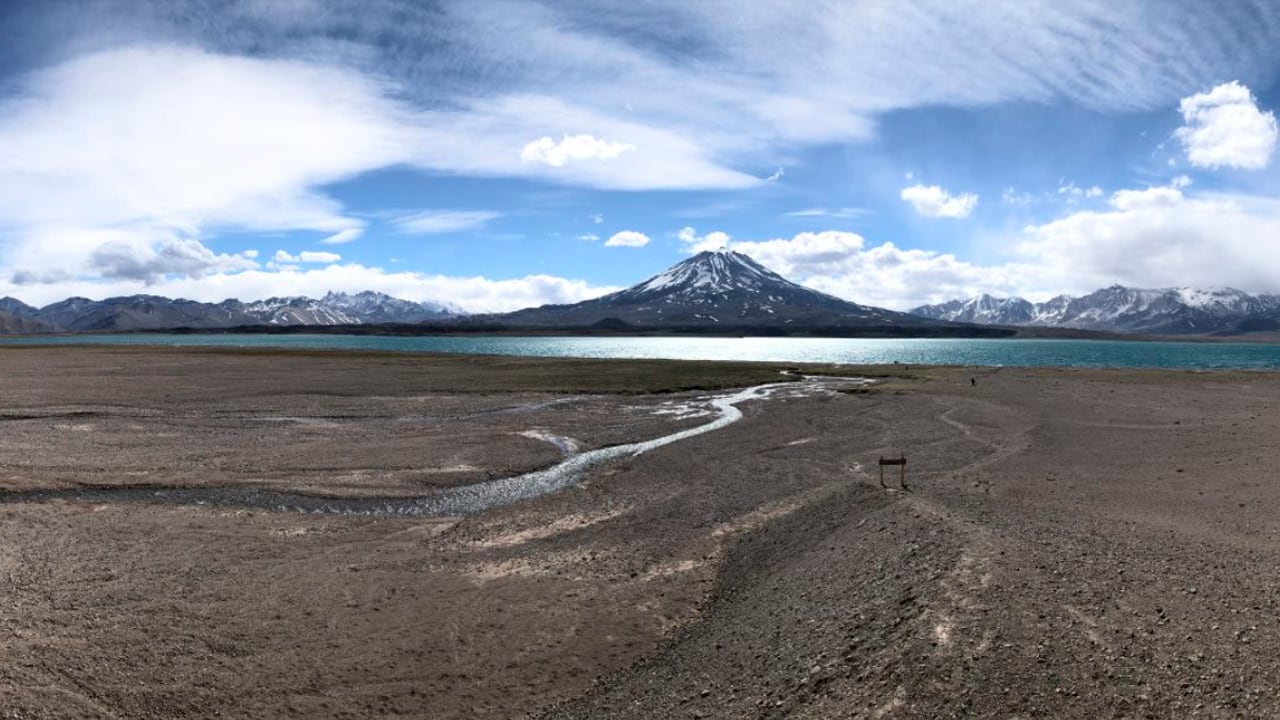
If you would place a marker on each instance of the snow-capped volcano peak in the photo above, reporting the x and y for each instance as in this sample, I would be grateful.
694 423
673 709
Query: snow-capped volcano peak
720 288
712 271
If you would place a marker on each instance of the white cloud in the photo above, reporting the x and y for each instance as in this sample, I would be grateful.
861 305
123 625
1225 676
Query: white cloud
1153 197
841 212
438 222
1012 196
627 238
472 294
1148 237
934 201
1225 128
121 160
596 218
1074 194
309 256
1180 182
695 243
343 236
776 176
589 237
306 256
1158 237
572 147
841 264
151 141
129 257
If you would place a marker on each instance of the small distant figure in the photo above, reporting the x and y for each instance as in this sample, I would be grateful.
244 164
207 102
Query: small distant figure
973 382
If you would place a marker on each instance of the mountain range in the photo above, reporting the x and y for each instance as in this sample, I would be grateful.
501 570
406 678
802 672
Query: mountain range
724 291
711 292
151 312
1168 311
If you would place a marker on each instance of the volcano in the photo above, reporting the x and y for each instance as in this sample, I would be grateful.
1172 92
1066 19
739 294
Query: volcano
727 291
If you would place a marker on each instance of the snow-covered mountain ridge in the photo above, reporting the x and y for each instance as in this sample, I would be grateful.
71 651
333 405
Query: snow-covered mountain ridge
1165 311
152 312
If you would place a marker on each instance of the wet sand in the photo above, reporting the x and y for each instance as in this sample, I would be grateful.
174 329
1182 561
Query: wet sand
1075 544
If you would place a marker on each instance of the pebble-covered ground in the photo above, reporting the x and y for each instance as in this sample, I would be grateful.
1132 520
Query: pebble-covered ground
1074 544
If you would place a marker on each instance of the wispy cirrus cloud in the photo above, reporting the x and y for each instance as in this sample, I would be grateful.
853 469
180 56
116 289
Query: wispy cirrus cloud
438 222
343 237
822 212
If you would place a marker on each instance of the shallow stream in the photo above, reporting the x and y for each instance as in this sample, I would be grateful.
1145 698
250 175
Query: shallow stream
464 500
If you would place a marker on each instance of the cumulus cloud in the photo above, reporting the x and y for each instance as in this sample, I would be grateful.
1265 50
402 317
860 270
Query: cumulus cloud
934 201
627 238
306 256
1224 127
842 264
1074 194
1160 237
471 294
572 147
129 257
439 222
695 243
1144 237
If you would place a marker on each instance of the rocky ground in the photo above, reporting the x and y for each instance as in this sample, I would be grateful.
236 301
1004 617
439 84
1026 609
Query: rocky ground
1073 544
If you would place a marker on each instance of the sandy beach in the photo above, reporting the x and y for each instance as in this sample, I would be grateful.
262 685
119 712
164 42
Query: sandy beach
1077 544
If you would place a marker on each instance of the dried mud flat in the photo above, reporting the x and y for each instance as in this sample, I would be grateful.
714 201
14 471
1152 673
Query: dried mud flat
1075 544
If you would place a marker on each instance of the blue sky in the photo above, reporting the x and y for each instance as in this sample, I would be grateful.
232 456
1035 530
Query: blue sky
495 155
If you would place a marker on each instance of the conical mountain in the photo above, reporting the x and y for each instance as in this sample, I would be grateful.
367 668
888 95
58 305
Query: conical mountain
717 289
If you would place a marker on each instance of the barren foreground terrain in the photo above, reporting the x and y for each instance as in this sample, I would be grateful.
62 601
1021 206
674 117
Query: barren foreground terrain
1073 544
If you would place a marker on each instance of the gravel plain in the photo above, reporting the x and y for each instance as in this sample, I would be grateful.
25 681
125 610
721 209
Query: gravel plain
1079 544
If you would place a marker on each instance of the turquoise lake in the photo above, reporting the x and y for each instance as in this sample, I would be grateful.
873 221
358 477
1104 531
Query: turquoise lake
1012 353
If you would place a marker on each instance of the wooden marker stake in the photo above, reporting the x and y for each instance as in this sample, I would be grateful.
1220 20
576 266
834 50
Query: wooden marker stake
901 462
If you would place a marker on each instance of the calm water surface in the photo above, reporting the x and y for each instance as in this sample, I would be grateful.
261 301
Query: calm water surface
1026 353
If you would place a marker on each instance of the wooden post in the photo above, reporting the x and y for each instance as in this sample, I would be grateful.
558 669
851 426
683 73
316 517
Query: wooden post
901 462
